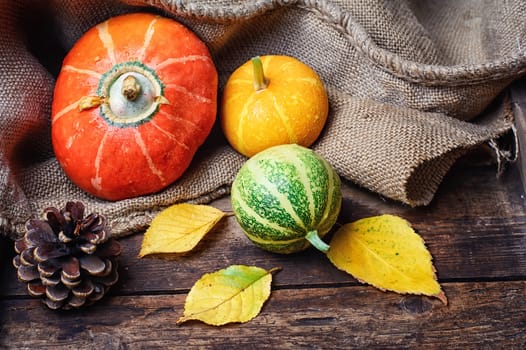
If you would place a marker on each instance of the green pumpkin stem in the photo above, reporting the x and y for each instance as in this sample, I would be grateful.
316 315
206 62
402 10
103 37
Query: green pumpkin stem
260 81
316 241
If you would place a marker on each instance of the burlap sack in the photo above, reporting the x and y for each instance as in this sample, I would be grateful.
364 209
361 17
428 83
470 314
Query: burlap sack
412 84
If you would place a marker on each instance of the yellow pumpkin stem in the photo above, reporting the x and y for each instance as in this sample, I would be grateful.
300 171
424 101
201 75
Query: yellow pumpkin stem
260 81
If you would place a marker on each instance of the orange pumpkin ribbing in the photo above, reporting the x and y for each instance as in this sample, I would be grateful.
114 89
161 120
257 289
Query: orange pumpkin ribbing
122 148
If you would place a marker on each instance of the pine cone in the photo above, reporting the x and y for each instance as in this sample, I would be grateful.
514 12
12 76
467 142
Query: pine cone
67 258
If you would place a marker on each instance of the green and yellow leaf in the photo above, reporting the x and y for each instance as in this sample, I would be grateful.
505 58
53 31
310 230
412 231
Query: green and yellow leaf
234 294
179 228
386 252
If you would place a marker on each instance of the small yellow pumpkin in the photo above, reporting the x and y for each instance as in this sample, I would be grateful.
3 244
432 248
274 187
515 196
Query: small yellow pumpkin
273 100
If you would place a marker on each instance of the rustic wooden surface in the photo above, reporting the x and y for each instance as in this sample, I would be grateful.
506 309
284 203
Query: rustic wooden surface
475 229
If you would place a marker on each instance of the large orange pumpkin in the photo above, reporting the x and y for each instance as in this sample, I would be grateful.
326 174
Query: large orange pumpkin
135 98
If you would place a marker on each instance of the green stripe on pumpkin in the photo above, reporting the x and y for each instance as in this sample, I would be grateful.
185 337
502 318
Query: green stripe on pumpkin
257 196
289 192
250 220
333 200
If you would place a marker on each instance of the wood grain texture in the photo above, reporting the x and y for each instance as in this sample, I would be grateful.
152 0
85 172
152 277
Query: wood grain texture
480 316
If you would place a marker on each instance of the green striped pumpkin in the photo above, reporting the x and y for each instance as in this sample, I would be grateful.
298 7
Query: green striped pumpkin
285 197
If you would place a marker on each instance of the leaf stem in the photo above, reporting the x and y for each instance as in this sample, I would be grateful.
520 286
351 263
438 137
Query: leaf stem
260 81
275 269
316 241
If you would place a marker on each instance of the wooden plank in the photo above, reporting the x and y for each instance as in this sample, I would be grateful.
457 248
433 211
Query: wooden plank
480 254
479 316
475 229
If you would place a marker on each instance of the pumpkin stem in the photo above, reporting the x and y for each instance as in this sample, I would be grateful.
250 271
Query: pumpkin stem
130 88
316 241
260 81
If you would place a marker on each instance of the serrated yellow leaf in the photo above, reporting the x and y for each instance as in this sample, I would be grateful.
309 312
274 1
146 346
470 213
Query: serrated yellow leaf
234 294
386 252
179 228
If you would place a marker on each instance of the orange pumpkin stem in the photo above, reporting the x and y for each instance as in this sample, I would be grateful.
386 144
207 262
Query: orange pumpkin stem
130 88
260 81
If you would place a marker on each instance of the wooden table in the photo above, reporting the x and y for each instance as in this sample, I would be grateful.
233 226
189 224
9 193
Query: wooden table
475 229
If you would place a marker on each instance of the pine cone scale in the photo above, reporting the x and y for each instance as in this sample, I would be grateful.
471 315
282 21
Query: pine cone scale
36 289
57 293
109 279
92 263
109 248
50 281
108 268
71 268
46 251
75 210
98 293
70 283
39 231
84 289
54 218
17 262
94 223
88 248
55 305
20 245
27 258
27 273
76 301
48 268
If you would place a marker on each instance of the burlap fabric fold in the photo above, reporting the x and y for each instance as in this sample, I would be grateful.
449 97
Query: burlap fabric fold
413 85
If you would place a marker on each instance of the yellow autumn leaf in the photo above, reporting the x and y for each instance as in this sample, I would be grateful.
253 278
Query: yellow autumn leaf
386 252
179 228
234 294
